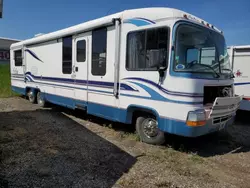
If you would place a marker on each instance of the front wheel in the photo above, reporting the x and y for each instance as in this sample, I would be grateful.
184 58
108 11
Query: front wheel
147 129
40 99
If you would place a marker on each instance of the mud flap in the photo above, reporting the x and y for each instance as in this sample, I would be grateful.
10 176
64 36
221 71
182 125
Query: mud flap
225 106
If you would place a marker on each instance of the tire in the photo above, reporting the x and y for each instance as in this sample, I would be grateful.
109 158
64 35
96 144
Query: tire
156 138
40 99
31 96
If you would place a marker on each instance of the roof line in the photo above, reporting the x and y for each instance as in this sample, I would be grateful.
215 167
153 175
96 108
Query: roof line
239 46
4 38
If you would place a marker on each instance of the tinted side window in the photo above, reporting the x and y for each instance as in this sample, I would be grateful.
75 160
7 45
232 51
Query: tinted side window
67 55
81 51
147 49
136 50
99 50
18 58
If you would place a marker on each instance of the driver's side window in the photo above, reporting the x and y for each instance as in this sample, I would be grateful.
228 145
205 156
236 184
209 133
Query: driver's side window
192 55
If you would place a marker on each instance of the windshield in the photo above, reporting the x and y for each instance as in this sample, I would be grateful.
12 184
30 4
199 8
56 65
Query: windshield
200 50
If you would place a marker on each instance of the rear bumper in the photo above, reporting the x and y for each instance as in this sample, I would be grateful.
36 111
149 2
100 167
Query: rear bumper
180 128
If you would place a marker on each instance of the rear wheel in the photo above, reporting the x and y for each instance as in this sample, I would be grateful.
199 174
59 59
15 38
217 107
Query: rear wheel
40 99
31 96
147 129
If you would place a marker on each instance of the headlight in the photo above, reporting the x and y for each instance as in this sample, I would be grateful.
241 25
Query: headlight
196 118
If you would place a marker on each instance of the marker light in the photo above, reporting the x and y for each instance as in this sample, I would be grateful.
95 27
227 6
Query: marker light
196 118
208 25
185 16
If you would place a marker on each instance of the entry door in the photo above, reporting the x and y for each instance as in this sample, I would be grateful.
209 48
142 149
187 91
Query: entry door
80 69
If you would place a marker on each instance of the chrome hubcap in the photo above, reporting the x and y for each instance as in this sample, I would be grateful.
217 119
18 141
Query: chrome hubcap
31 96
150 127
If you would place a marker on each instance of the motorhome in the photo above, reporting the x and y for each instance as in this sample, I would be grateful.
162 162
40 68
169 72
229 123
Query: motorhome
143 66
240 59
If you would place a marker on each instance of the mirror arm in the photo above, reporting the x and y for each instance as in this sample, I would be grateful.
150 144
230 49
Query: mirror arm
161 71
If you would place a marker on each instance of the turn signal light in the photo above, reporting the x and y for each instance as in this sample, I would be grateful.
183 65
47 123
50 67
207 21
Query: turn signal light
195 123
196 118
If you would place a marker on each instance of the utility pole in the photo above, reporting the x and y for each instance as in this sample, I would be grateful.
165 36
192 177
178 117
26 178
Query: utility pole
1 8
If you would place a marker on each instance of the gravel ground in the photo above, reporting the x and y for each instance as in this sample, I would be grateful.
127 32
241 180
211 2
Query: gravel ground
57 147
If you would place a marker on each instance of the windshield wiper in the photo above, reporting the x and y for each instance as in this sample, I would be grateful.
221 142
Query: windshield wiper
217 75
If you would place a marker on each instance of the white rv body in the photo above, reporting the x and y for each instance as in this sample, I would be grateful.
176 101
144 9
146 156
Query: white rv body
112 91
240 59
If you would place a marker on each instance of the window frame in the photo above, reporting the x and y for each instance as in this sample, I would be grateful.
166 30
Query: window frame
70 36
16 58
85 57
151 28
106 30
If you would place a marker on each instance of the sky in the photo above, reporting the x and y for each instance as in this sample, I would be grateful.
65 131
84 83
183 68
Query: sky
22 19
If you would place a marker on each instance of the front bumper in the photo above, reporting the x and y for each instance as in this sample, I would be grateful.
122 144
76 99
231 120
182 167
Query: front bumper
182 129
220 115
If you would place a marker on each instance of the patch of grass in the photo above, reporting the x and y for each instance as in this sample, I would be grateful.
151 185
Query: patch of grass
130 136
5 85
196 158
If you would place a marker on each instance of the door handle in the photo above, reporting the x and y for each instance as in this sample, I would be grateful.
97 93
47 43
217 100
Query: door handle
76 69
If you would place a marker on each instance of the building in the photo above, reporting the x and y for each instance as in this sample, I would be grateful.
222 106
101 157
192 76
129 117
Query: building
5 49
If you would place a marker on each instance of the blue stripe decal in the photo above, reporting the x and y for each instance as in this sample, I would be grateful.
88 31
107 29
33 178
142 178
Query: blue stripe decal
83 82
33 55
144 19
71 87
242 83
139 21
156 96
199 95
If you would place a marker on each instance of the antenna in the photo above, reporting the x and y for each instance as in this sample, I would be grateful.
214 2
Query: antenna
112 8
107 11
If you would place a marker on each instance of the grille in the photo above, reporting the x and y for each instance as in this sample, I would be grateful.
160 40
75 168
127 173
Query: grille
221 119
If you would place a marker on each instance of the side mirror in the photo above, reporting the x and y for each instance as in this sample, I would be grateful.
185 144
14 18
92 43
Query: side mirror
161 71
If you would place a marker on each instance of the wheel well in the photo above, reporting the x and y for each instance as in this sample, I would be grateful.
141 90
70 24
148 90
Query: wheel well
137 112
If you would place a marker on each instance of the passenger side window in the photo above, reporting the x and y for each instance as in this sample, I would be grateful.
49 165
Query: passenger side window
147 49
18 58
99 50
81 51
67 55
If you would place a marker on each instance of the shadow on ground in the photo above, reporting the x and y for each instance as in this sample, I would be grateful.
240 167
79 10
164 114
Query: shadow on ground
46 148
234 139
